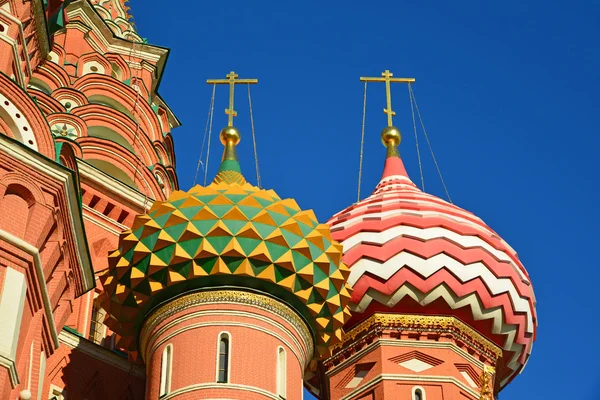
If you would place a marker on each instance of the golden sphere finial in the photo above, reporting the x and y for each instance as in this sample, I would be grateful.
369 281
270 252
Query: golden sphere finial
391 136
231 135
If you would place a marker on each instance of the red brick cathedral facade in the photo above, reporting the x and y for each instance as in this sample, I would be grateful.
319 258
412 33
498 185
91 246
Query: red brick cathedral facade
114 284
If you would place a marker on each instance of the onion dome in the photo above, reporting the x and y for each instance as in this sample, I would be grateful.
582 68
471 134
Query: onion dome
411 252
228 234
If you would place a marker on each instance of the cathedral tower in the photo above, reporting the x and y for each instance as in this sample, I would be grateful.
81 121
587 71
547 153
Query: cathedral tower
227 291
85 144
441 305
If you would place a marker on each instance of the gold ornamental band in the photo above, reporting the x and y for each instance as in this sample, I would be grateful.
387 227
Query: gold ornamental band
224 296
422 323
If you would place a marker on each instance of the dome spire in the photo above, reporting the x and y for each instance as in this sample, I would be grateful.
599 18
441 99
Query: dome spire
390 136
230 171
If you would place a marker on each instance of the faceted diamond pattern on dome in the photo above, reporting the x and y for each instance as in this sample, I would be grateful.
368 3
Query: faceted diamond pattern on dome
229 230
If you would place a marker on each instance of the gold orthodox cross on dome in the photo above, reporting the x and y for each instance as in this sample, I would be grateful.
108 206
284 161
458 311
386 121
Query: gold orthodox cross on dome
232 80
387 77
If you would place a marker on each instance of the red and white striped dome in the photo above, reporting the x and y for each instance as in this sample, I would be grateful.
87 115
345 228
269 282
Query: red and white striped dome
412 252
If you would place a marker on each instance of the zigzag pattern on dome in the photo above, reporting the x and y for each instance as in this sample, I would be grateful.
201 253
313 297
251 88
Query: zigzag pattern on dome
402 242
223 235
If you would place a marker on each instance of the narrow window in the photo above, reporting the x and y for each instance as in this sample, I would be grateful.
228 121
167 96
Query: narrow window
223 358
281 372
418 394
115 71
165 370
97 324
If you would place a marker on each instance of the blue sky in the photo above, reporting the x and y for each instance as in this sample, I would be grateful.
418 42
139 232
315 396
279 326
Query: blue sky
509 95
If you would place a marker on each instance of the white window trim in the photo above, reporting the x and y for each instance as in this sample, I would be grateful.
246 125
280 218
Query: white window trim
57 392
42 374
166 370
30 370
281 369
414 393
229 338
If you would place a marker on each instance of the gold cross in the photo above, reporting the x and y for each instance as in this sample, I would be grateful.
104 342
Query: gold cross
387 78
231 81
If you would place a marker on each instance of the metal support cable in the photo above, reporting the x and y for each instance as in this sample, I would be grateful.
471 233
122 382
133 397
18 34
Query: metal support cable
208 119
258 183
212 110
412 109
362 141
429 143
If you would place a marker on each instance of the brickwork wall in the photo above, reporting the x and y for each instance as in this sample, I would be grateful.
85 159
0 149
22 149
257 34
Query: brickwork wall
255 336
10 64
397 364
83 375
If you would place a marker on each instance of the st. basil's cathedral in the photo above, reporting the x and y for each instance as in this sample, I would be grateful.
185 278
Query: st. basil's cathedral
116 284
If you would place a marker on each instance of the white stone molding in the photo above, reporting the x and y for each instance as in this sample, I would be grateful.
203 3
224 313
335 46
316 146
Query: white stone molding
113 186
37 262
409 378
404 343
221 386
63 175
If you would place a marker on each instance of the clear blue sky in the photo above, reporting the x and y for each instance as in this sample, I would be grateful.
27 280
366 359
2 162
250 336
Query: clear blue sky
509 95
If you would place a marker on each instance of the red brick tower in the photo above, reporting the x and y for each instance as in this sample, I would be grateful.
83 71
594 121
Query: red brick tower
99 91
85 145
441 305
227 291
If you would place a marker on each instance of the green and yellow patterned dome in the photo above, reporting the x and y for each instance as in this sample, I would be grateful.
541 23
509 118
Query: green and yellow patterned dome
233 234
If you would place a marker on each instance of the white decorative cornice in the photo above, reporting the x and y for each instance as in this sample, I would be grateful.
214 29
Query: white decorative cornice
221 386
114 187
101 220
409 378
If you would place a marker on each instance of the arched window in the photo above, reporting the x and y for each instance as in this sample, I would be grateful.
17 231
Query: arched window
112 103
165 370
115 71
97 328
281 372
418 393
102 132
223 357
40 85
